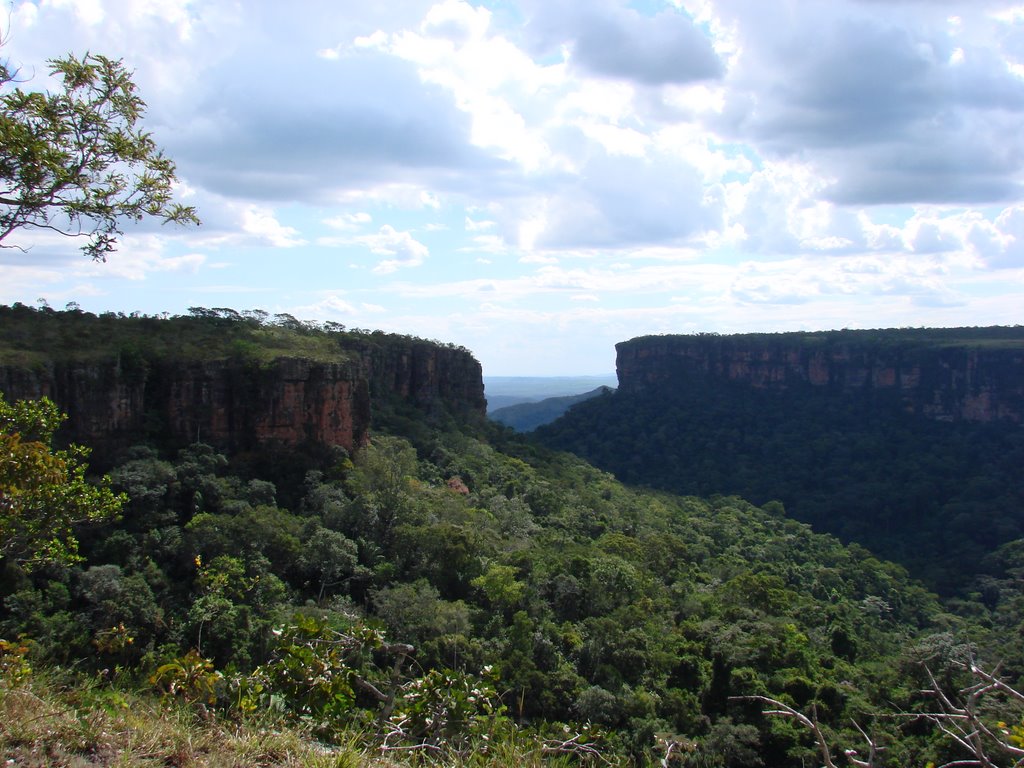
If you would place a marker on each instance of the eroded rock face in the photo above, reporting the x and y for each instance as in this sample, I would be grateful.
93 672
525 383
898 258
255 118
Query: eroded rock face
225 403
236 405
290 401
952 381
425 374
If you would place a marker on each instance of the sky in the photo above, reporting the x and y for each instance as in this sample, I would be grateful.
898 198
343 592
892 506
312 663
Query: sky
537 180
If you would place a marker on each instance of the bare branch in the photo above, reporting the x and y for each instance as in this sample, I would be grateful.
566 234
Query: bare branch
784 710
573 746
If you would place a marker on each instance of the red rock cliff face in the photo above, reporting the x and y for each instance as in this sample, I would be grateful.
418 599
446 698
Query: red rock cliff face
426 374
290 401
225 403
953 381
235 405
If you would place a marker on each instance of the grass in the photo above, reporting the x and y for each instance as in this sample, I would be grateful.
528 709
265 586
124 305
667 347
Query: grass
90 724
54 720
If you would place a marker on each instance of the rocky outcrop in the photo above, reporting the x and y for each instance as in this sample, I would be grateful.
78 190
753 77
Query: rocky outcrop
426 374
947 374
236 404
222 402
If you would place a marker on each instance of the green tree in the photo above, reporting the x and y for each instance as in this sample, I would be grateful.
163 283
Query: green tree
501 587
77 162
383 478
44 492
329 556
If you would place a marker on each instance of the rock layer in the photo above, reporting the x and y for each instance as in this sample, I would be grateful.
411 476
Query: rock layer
950 375
235 404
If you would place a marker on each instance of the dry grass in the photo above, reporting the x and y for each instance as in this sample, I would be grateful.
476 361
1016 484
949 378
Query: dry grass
47 723
42 724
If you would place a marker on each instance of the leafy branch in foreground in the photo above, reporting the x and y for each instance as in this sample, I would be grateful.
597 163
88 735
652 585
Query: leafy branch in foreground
43 492
76 162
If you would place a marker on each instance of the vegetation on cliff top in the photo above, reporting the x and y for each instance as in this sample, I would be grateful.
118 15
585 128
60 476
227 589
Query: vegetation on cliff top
32 336
1008 337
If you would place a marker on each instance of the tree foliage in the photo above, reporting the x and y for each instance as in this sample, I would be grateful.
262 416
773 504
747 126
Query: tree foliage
77 161
933 496
44 492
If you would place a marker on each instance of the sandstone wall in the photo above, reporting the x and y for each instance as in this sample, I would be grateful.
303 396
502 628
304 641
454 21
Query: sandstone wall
950 381
425 374
236 405
224 403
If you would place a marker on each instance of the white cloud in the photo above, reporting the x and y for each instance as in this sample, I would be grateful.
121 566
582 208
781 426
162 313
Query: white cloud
896 107
21 281
493 244
137 257
609 40
615 140
260 222
326 309
401 248
1001 243
330 53
485 73
348 221
88 12
456 21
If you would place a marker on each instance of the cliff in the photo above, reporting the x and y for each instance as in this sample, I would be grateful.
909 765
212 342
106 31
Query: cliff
235 385
960 374
222 402
424 373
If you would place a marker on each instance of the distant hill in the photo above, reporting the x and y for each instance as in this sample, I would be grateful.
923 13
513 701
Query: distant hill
503 391
526 417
